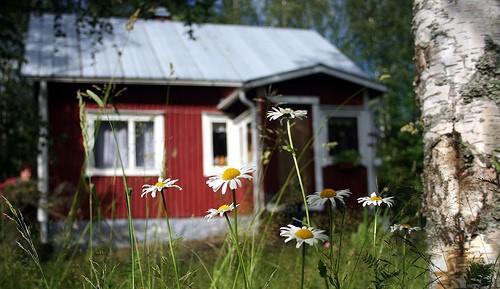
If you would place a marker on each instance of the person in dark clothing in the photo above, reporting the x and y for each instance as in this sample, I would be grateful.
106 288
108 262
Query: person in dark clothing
24 177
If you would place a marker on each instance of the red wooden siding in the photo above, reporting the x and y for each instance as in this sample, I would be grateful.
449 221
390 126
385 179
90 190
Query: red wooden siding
183 143
353 178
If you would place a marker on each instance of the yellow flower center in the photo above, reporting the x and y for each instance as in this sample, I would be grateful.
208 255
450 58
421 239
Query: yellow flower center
159 184
327 193
223 208
375 198
230 174
406 226
304 234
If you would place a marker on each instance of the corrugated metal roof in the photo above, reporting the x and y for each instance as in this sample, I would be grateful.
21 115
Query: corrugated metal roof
223 54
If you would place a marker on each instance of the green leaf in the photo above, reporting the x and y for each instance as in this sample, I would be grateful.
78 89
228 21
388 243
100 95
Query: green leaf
96 98
321 268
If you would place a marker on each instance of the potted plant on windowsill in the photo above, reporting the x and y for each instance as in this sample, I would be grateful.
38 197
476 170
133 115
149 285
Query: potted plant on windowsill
347 159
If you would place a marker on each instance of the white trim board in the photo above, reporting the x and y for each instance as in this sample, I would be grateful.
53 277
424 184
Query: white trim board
42 161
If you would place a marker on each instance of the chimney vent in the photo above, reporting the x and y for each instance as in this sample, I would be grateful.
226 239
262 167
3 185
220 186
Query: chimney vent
162 13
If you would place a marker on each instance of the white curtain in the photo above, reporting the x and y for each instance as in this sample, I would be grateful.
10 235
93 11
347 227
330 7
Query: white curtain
144 145
106 149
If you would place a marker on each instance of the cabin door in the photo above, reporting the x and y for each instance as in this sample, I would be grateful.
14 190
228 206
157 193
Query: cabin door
279 169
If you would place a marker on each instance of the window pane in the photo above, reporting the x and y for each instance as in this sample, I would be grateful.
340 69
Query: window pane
344 131
144 145
219 143
106 149
249 143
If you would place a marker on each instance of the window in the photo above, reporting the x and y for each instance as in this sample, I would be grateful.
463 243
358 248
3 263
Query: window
219 143
349 128
343 131
225 142
138 140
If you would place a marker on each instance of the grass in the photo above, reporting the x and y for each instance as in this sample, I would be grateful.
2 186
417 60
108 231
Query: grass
200 262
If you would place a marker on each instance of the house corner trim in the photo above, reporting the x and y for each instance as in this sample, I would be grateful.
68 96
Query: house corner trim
43 162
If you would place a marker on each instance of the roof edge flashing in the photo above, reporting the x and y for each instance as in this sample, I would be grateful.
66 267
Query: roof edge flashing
144 81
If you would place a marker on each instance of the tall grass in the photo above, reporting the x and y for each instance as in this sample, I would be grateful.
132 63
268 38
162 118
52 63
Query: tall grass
260 254
251 257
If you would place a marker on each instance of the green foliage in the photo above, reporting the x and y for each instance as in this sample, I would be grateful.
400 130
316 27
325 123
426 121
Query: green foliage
24 197
381 41
381 270
347 157
479 274
18 126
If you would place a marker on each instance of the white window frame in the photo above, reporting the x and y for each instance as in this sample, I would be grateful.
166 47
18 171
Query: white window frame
242 122
237 147
130 118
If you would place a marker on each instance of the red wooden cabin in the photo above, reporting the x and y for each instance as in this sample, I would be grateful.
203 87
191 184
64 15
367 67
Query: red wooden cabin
189 108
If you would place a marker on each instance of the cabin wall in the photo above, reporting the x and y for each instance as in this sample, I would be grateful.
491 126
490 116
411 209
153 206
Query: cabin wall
182 107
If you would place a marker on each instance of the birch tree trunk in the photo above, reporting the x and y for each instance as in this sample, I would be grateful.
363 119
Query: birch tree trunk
457 55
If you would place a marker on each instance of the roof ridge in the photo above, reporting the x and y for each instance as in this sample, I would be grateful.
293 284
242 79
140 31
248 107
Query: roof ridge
182 22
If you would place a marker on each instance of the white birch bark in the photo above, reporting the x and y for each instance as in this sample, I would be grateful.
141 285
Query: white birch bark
457 55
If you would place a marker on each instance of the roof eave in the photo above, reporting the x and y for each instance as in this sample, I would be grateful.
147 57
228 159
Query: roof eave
320 68
144 81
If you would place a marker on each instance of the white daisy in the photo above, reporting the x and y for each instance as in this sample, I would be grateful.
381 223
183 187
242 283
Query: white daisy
309 235
318 199
220 211
376 200
285 113
231 177
158 187
404 227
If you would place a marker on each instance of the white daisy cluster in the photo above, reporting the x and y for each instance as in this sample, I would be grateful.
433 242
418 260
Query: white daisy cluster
224 209
376 200
308 235
318 199
406 228
229 177
158 187
285 113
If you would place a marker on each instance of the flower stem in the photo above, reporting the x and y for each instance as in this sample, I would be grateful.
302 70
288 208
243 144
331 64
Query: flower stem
404 262
294 156
375 230
303 265
235 239
339 254
330 227
172 254
235 215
